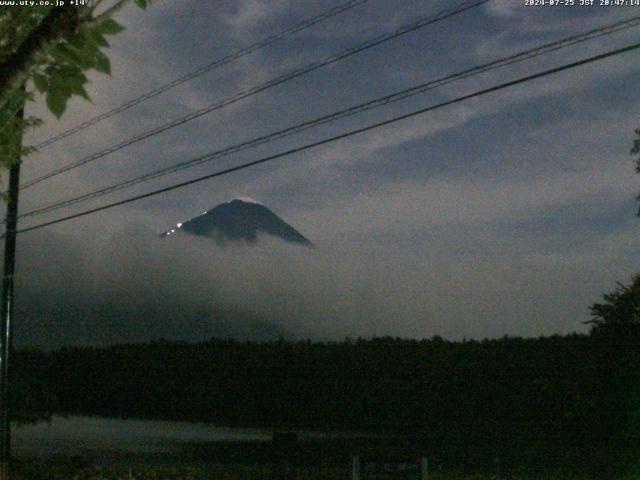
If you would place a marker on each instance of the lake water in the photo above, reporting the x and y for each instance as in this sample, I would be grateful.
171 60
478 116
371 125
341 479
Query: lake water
76 435
105 438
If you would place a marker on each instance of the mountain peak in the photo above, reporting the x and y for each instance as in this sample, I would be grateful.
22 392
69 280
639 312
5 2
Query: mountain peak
247 200
240 219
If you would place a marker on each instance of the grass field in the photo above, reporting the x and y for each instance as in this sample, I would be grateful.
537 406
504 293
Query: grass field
316 460
69 471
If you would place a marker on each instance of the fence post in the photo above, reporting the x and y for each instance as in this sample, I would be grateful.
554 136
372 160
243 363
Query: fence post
355 468
424 466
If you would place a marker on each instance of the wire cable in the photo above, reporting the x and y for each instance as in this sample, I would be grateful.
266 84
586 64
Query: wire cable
357 109
423 22
265 42
335 138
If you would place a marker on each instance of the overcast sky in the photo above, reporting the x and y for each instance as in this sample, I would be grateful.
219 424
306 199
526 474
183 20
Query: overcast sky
506 214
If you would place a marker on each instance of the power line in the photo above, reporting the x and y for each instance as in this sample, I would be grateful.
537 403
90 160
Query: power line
265 42
335 138
423 22
379 102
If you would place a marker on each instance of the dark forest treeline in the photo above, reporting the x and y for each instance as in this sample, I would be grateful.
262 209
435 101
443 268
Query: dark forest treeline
562 400
352 384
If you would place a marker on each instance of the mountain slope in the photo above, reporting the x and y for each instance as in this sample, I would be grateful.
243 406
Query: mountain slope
239 220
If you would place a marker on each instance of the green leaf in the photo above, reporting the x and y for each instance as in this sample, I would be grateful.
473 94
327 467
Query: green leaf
102 64
71 72
77 40
77 88
142 4
110 27
63 54
59 85
41 82
95 38
57 102
86 55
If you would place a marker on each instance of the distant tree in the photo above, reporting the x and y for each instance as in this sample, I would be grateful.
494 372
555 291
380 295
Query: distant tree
620 310
616 369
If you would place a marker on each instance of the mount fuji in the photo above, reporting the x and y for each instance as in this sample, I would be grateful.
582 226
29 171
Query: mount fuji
240 220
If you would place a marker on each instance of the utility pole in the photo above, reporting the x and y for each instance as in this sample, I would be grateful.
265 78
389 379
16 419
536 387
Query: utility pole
6 324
